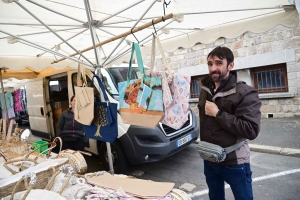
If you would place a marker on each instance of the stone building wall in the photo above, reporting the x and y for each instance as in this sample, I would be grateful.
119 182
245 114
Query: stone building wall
279 45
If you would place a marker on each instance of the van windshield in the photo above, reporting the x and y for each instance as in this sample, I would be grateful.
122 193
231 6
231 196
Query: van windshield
119 74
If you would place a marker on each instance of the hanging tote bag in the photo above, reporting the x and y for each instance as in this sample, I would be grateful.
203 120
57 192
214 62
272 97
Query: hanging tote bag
140 99
104 126
176 91
84 106
166 75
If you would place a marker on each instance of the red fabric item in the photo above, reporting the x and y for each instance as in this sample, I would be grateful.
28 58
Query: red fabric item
17 101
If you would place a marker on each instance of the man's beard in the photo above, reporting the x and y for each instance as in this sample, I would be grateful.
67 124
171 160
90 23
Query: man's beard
221 76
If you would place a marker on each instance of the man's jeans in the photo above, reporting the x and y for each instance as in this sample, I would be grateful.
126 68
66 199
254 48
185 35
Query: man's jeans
237 176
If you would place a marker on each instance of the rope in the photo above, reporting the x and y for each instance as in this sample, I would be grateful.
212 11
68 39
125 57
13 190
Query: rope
51 181
27 192
65 184
18 160
15 189
32 182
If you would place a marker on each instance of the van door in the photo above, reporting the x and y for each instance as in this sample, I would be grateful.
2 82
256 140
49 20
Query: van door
37 109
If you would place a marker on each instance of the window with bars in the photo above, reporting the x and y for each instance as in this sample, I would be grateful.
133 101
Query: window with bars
271 78
195 88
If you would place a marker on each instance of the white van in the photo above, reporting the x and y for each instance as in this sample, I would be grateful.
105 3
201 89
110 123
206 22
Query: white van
48 97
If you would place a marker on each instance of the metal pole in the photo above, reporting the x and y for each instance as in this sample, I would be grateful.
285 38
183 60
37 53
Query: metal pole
106 31
237 10
54 53
126 51
36 33
118 12
130 29
98 70
44 48
100 47
90 19
136 29
55 11
23 24
194 13
52 31
110 161
39 55
183 29
3 96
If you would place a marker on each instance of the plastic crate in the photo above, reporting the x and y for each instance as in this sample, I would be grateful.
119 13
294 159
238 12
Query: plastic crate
37 146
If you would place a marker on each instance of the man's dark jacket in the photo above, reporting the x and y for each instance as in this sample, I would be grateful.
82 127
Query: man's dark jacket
68 128
238 120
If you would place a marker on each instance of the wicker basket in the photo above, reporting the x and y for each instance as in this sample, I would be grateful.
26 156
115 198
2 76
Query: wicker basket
37 194
177 194
76 159
44 171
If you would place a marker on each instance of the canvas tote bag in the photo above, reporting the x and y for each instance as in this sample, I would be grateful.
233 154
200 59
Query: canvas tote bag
104 126
140 99
84 106
176 90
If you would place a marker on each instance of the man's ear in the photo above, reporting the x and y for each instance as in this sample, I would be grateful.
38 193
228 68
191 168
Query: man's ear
230 66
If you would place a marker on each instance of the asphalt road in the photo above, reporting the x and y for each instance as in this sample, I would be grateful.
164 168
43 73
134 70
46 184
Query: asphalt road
275 177
187 167
279 132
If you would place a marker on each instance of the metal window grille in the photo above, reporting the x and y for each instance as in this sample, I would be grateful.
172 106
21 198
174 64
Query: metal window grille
271 80
195 90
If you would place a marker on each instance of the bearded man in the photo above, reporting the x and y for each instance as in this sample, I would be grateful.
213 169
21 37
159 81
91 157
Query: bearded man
229 113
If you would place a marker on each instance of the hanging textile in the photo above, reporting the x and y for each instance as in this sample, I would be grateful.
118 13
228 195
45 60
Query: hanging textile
9 100
176 90
17 100
10 112
9 105
23 99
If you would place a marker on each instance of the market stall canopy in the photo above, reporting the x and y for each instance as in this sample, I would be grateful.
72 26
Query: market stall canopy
25 73
32 31
14 78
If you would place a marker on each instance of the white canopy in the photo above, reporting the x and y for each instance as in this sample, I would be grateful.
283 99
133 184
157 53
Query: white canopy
204 22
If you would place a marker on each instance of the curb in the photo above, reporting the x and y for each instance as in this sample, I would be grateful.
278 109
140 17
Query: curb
275 150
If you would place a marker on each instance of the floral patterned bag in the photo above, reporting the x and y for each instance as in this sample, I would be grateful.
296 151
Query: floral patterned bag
176 91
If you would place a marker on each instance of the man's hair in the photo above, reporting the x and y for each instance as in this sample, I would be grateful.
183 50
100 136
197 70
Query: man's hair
222 52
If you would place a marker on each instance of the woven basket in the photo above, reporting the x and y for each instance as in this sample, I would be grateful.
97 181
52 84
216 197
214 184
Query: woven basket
44 171
177 194
76 159
37 194
21 161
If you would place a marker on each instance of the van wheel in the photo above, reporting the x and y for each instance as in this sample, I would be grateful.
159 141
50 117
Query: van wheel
119 159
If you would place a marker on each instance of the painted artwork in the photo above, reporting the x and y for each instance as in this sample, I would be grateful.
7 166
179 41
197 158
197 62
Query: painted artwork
144 96
137 96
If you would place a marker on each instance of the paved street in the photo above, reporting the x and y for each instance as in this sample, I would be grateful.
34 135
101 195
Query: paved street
274 176
280 132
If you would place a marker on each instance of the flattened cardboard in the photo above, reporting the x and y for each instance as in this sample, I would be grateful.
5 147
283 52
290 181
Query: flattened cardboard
135 187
